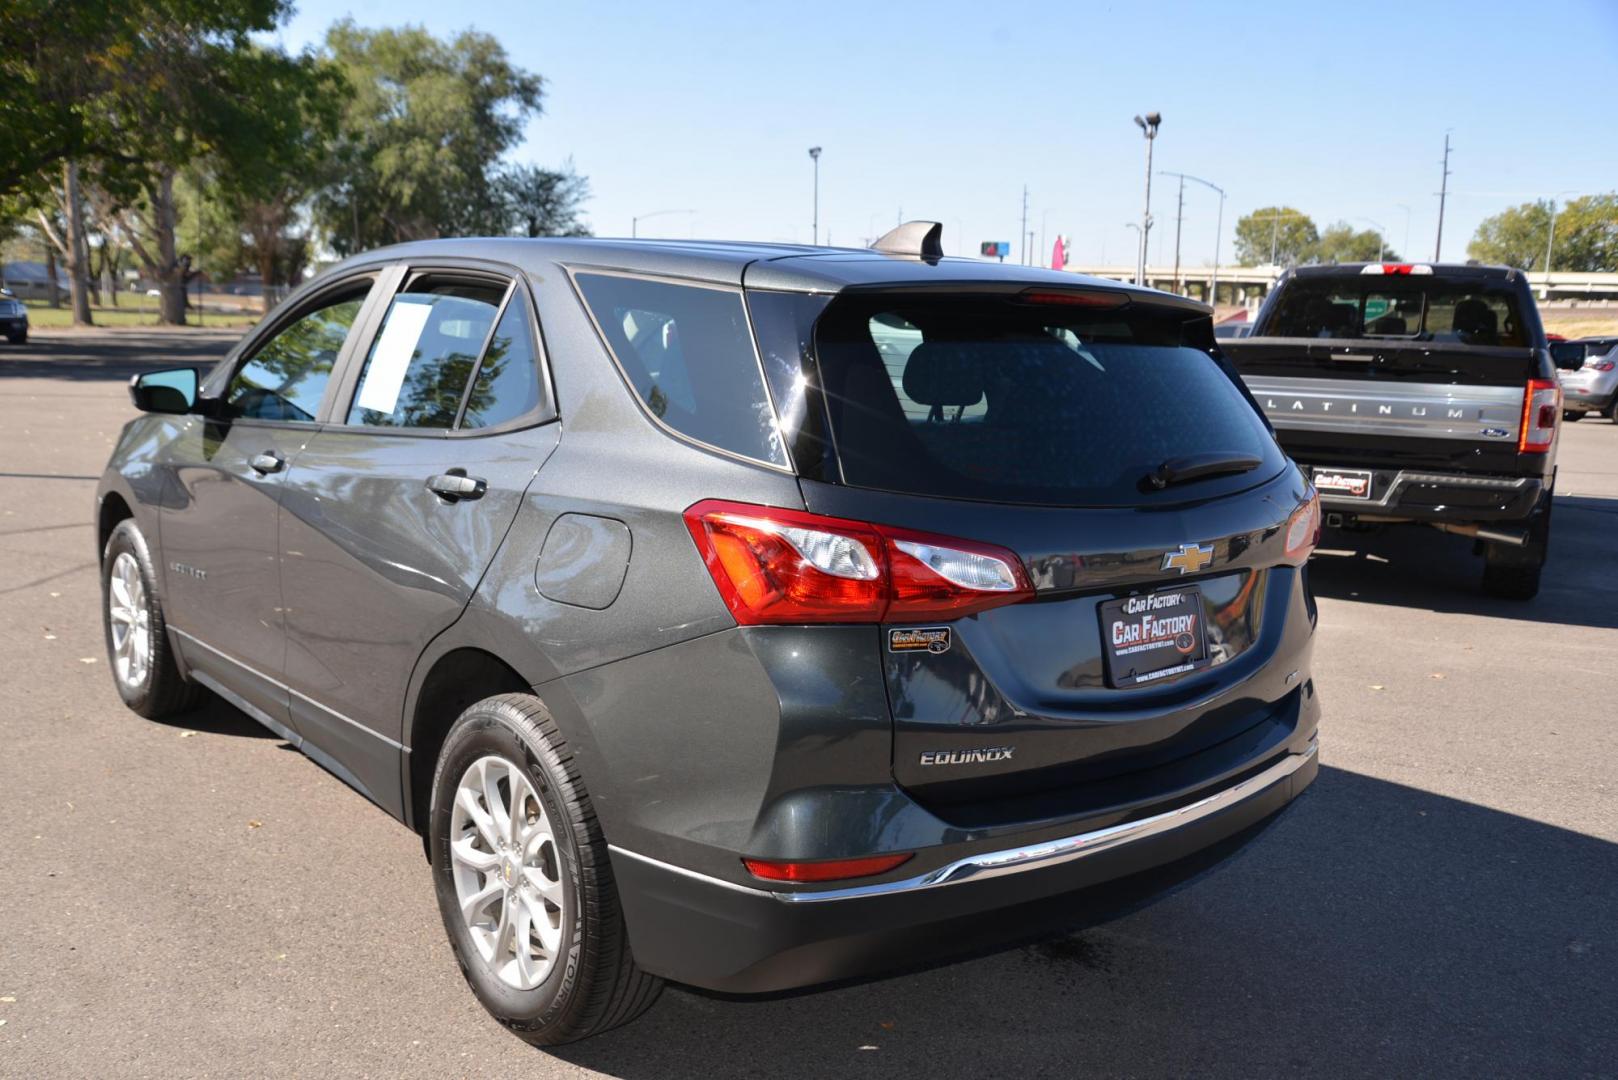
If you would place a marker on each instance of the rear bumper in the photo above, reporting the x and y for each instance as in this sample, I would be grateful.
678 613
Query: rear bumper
1595 399
1421 495
703 931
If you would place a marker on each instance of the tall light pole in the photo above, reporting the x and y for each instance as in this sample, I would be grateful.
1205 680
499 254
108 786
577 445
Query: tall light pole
1550 238
1023 232
814 153
1381 237
634 222
1148 127
1219 224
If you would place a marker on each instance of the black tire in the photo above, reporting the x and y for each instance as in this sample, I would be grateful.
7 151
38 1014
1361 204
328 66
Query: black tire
18 339
594 984
1513 573
1572 416
1612 410
162 691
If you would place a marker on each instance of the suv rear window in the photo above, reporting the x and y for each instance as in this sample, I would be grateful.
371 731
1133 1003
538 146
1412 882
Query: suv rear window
1049 405
1417 307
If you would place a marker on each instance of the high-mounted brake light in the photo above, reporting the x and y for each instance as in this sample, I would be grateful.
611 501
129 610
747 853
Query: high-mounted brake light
1541 408
825 869
1396 268
787 566
1096 298
1303 530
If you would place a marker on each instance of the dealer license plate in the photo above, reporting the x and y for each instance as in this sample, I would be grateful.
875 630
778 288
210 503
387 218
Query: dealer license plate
1154 636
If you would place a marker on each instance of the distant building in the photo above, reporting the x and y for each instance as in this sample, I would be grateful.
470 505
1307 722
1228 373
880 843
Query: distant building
30 281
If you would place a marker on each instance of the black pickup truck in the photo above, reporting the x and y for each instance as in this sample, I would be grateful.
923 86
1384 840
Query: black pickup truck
1416 394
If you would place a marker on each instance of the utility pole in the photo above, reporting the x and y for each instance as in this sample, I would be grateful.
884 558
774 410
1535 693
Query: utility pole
1024 230
1179 219
1443 193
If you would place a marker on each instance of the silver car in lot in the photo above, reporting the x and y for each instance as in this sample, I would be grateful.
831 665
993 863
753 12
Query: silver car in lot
1588 372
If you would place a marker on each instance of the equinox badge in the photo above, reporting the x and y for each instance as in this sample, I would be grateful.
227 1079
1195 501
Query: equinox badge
1189 559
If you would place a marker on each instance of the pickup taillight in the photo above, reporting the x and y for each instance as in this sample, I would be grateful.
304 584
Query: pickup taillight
1541 408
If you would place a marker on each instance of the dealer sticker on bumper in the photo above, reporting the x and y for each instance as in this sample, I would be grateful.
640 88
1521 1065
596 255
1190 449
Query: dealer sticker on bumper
1343 483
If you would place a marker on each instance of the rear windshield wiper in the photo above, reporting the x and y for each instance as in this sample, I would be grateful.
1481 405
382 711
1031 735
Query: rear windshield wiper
1182 470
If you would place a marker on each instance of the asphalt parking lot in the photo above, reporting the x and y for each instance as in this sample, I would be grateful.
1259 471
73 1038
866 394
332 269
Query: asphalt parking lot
193 898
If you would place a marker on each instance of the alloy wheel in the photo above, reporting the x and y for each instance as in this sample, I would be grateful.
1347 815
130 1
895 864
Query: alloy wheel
507 871
130 620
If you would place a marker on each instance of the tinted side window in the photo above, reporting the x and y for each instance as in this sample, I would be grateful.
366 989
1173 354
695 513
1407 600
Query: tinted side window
287 377
507 384
689 354
420 363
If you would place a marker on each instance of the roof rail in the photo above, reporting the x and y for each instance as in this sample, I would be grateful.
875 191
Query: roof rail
920 238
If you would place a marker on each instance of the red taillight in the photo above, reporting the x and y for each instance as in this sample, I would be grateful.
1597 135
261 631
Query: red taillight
788 566
1541 407
1603 365
1303 530
824 869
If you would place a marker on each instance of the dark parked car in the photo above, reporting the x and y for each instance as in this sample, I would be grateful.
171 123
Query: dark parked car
13 318
1417 394
741 615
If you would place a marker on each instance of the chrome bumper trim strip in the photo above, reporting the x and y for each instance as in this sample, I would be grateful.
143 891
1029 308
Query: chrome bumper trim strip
991 864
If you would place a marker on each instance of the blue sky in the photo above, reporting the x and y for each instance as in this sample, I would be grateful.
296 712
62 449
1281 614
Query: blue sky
944 110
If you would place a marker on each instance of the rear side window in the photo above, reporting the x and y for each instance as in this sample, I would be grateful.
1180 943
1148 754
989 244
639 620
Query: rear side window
422 359
1004 402
1417 307
688 353
507 385
287 376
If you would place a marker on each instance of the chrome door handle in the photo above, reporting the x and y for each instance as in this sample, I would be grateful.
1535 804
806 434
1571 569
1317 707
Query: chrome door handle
268 462
455 485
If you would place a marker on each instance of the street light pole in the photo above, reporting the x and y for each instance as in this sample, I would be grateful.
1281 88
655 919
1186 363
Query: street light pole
1550 238
1148 125
1381 236
634 222
814 153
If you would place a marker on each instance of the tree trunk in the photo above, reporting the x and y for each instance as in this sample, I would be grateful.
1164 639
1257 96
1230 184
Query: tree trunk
77 253
171 273
51 284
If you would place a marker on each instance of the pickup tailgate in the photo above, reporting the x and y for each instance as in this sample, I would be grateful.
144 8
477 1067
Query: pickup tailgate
1402 405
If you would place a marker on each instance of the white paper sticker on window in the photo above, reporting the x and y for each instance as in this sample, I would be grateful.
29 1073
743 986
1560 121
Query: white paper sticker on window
385 375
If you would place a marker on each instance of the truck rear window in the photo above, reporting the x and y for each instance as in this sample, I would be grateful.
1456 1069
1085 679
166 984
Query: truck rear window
1005 402
1417 308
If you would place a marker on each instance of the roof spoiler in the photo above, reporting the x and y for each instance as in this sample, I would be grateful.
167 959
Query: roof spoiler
924 239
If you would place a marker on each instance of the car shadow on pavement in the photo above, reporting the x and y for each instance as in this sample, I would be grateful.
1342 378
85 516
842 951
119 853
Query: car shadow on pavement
1420 567
104 355
1375 929
216 716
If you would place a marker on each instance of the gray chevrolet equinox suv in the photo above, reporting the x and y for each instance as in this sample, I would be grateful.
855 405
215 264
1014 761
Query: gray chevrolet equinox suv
741 615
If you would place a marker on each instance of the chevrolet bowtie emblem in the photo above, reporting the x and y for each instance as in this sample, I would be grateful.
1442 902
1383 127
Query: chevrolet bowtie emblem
1189 559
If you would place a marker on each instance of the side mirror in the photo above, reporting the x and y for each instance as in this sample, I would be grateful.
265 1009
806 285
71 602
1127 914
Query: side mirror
170 391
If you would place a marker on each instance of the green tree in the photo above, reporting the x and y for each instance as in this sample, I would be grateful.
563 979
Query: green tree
423 129
1287 234
1514 237
1341 243
544 202
1586 236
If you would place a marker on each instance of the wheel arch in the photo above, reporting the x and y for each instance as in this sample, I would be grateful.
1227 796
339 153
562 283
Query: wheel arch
453 680
113 509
